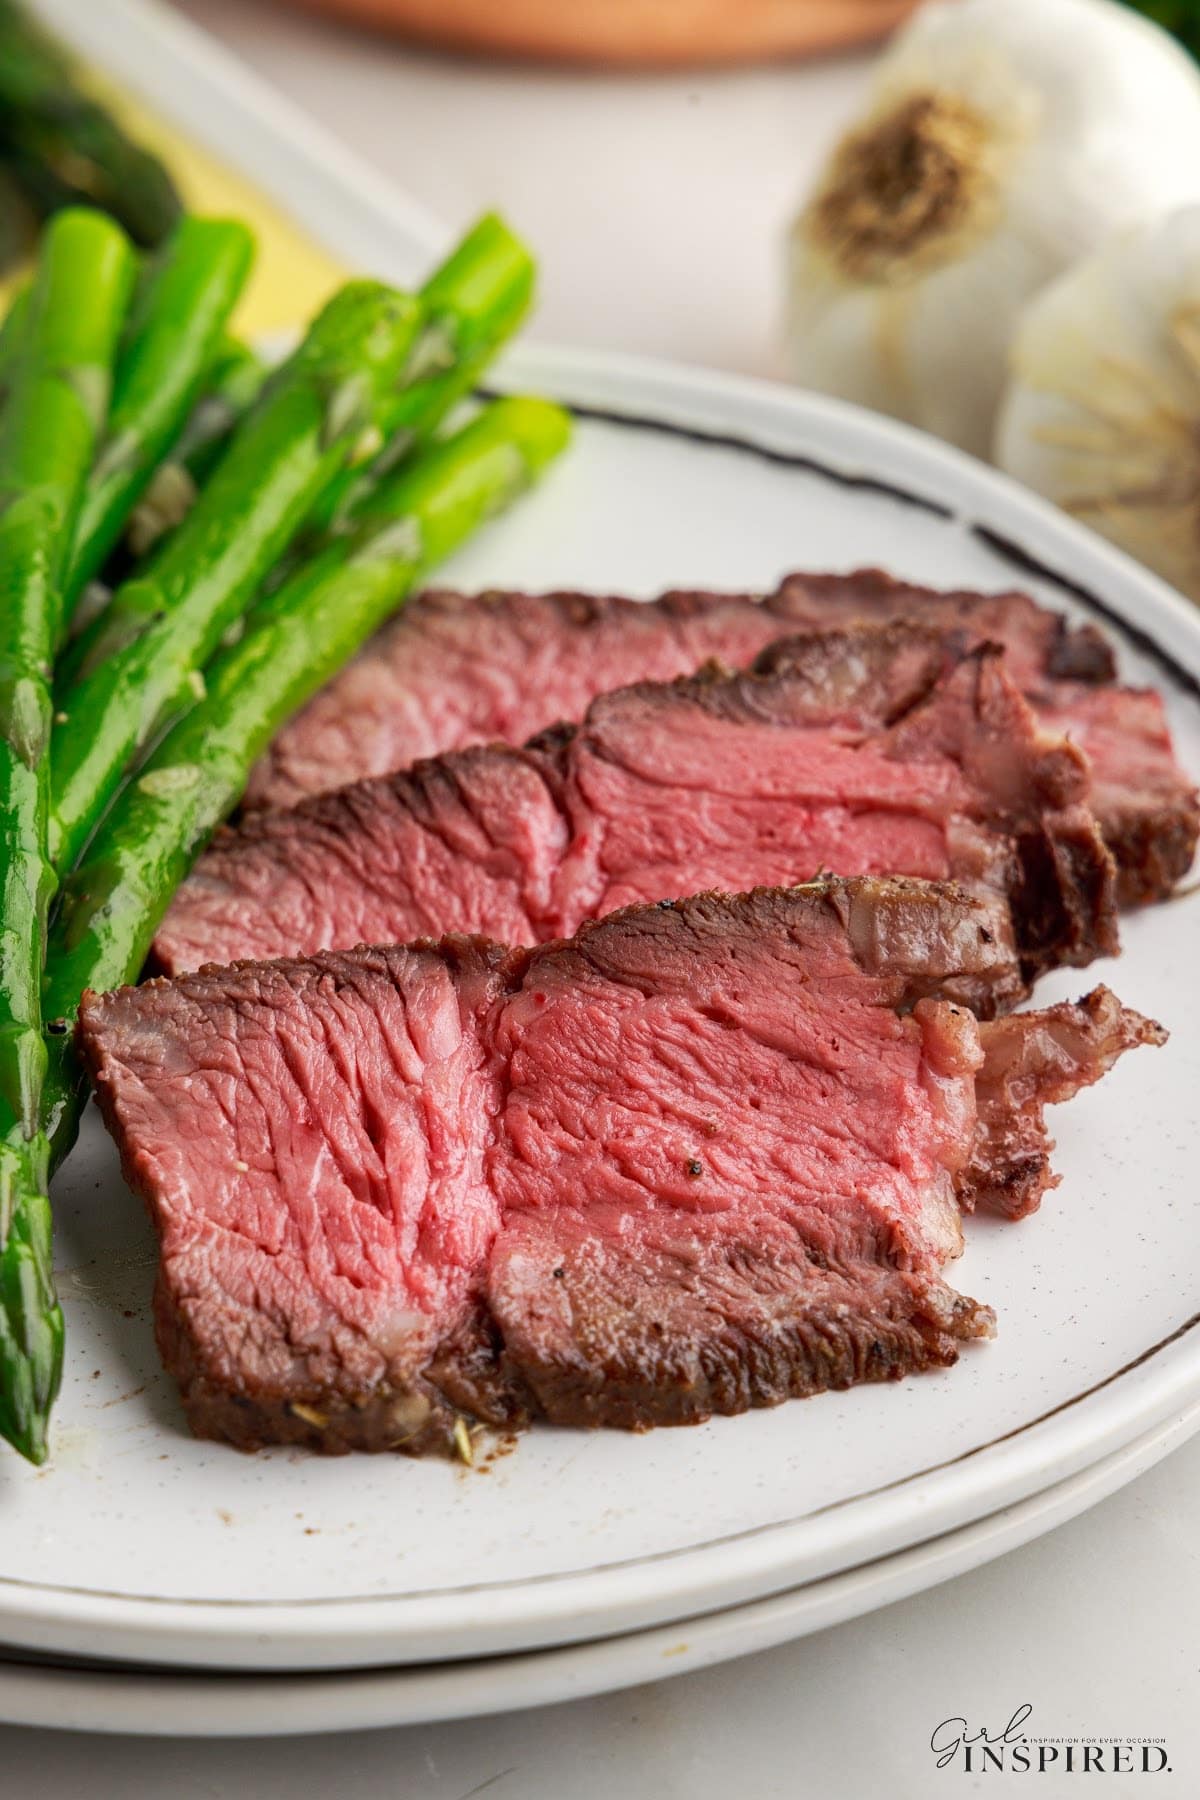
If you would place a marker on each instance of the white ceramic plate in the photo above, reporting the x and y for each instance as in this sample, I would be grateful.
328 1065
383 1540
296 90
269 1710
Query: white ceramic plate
153 1704
139 1543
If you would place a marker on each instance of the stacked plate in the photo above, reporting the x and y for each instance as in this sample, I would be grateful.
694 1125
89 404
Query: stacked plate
151 1583
578 1561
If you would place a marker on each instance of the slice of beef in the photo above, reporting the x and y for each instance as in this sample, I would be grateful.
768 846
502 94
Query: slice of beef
1059 886
1043 646
457 669
861 752
311 1139
702 1157
1147 806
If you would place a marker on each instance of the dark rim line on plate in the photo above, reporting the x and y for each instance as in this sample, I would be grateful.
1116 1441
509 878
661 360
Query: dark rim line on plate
24 1659
1012 552
1003 546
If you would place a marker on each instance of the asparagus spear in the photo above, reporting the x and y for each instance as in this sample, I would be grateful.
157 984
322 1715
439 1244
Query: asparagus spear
55 408
142 663
232 384
295 640
471 304
190 293
64 147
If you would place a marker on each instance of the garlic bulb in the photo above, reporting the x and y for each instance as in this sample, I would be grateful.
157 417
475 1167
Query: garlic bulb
1102 410
1004 140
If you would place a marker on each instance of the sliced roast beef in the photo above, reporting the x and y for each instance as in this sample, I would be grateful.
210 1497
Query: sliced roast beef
1042 645
1147 806
703 1157
459 669
860 752
312 1139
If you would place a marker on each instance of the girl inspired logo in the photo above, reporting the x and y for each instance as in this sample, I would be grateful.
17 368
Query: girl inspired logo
951 1738
955 1745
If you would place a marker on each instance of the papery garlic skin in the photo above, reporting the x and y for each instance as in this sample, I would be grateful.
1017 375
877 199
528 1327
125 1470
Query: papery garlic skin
1102 409
1004 139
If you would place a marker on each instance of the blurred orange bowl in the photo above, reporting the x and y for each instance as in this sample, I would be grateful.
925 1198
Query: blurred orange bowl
630 33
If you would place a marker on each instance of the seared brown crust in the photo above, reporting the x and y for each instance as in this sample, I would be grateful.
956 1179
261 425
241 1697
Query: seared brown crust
1154 850
465 1381
1079 653
1066 651
415 1423
670 1335
1064 896
917 940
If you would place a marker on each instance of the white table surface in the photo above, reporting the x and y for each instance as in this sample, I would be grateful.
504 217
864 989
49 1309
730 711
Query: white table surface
659 207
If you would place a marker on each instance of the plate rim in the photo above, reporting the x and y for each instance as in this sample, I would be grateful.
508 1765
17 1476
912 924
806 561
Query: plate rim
765 418
155 1703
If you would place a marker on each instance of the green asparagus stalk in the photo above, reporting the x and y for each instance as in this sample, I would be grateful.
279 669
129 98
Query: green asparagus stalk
471 304
143 660
55 409
233 383
191 291
295 640
63 147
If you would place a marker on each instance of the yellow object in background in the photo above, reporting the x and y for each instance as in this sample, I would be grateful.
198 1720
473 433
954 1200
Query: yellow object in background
292 275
